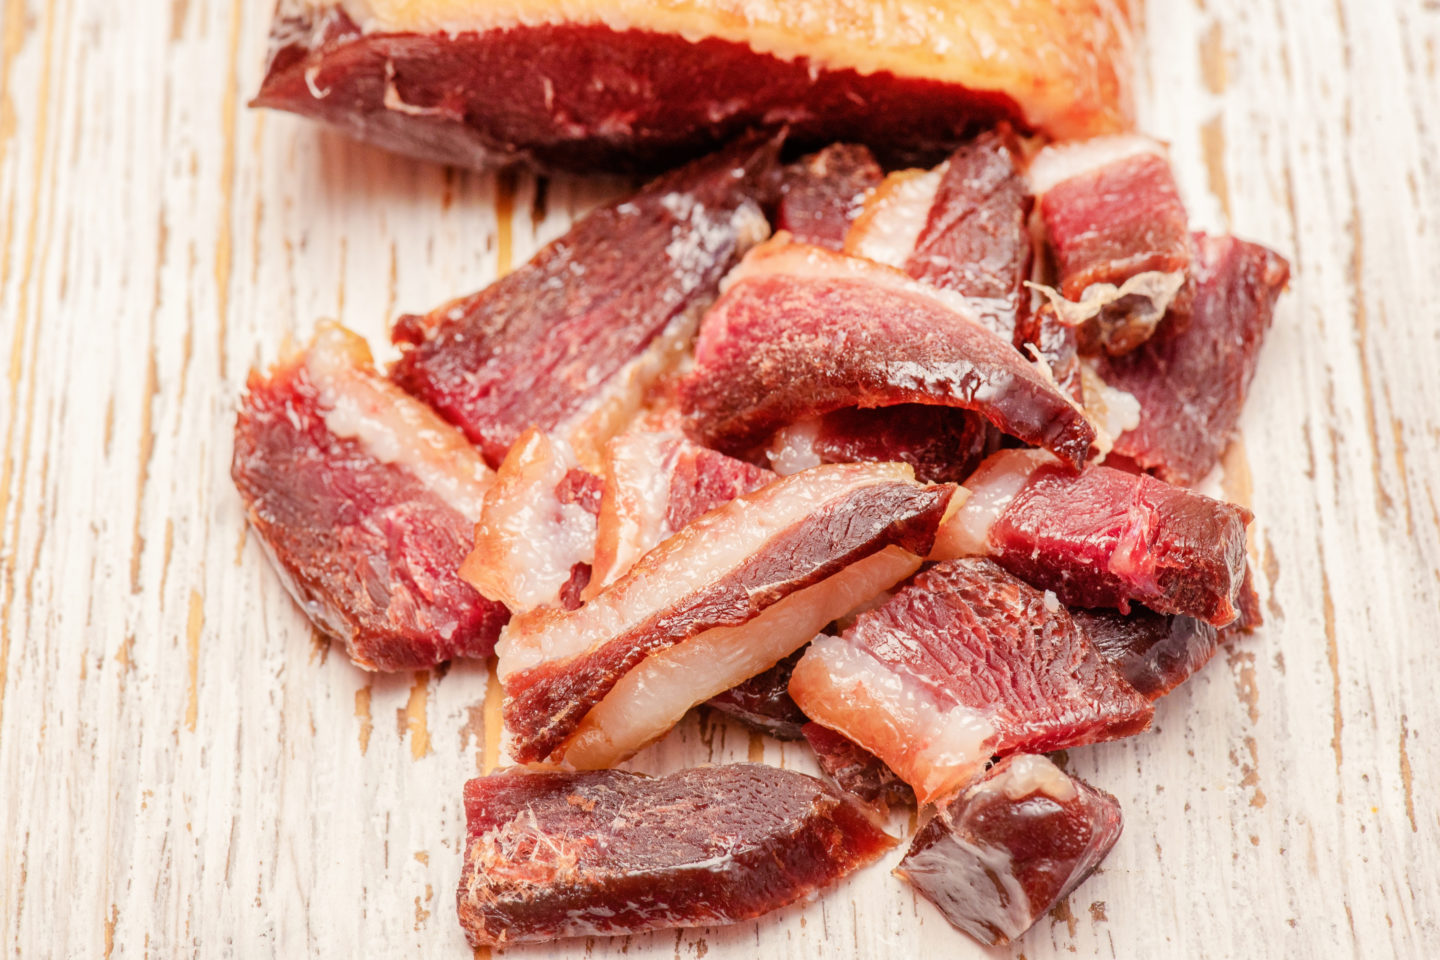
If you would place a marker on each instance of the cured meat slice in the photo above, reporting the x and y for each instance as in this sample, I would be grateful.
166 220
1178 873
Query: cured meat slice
963 662
763 702
1119 234
1154 651
943 444
822 194
571 341
724 599
1103 537
616 85
535 539
364 500
551 855
801 332
857 772
1015 843
1191 378
656 483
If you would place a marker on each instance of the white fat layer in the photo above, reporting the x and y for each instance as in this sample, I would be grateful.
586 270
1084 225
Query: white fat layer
635 502
1113 411
652 698
1062 161
894 216
1003 474
933 747
793 448
974 885
1152 291
392 426
1027 774
696 557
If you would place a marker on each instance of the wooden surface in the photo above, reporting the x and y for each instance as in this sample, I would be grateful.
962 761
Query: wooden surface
185 770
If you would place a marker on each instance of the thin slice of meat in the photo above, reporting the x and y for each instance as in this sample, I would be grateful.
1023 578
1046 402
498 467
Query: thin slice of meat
551 855
998 857
364 500
855 771
1191 378
943 444
801 332
963 662
724 599
1103 537
571 341
822 194
1155 652
535 539
1118 230
763 702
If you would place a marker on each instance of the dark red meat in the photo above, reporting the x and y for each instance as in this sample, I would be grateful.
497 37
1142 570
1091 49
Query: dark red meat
856 771
763 702
545 345
550 855
1016 842
1156 652
701 480
822 194
1107 538
943 444
1192 376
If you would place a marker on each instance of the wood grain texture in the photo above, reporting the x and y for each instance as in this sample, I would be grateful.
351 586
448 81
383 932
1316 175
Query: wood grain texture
185 770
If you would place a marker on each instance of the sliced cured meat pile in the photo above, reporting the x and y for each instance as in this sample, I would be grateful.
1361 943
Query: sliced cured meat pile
552 855
571 341
964 662
613 85
364 500
997 857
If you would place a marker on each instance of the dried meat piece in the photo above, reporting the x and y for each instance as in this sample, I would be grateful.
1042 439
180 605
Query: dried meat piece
364 501
1191 378
1014 844
1118 230
801 332
625 85
763 702
1103 537
963 662
943 444
857 772
822 194
1156 652
571 341
724 599
551 855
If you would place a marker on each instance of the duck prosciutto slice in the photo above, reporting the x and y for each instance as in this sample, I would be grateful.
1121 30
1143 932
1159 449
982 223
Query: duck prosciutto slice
1119 234
801 332
724 599
965 661
822 194
1019 839
942 444
551 855
364 500
1103 537
855 771
625 85
571 341
1191 378
1155 652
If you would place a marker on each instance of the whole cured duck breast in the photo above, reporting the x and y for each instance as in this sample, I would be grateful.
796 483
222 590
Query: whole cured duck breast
614 85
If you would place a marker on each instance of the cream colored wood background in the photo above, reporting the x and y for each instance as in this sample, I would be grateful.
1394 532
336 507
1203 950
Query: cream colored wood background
185 770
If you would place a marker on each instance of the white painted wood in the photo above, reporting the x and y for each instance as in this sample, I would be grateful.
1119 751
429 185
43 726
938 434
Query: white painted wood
183 771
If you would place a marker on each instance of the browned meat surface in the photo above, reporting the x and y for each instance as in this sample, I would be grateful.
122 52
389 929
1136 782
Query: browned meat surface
856 771
550 855
943 444
1016 842
763 702
821 195
1155 652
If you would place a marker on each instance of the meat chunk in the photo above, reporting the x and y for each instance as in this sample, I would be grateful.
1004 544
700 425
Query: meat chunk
1191 378
1103 537
551 855
943 444
724 599
571 341
855 771
964 662
1119 234
801 332
1015 843
364 501
625 85
1154 651
822 194
763 702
